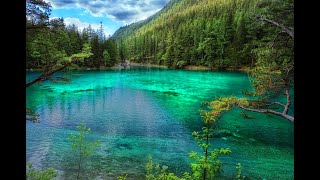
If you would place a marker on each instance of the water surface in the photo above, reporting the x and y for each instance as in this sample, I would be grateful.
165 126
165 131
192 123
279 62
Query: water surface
147 111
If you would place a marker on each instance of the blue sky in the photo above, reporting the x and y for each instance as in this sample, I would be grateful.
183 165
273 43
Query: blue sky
112 13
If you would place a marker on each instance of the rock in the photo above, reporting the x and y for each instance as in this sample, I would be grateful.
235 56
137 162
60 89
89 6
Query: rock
82 90
236 135
171 93
125 64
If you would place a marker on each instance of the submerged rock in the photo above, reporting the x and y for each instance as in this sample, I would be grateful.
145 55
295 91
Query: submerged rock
236 135
123 146
171 93
225 133
82 90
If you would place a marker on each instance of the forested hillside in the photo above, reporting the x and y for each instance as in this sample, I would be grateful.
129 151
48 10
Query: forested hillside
129 29
212 33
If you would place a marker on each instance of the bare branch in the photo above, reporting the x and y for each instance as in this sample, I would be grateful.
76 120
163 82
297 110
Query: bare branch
45 75
276 103
289 32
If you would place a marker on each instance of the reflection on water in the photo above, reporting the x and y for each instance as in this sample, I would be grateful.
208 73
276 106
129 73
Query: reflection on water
141 112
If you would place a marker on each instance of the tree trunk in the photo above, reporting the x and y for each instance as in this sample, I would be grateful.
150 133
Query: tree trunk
206 154
286 108
79 168
79 165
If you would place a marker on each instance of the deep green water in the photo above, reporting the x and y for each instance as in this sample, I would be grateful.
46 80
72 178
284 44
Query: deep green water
141 112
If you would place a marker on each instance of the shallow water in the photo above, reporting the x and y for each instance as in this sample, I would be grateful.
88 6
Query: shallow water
148 111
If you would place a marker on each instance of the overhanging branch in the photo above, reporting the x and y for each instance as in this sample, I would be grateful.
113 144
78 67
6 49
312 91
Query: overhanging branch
267 111
45 76
289 32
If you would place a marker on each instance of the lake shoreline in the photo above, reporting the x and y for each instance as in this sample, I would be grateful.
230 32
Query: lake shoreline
131 64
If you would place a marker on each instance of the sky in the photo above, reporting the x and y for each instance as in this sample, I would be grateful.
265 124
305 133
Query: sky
112 13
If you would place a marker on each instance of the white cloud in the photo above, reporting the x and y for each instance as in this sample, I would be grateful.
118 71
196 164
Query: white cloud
122 11
80 24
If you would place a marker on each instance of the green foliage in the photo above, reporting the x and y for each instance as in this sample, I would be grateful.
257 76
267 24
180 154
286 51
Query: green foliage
207 165
51 43
273 53
111 47
81 146
211 163
33 174
169 51
53 60
220 105
155 172
273 72
85 53
226 103
122 177
239 168
106 58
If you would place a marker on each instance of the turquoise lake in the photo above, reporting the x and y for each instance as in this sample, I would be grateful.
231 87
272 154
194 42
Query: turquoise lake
139 112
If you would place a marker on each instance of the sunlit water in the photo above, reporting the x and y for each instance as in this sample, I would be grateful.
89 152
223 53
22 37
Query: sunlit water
140 112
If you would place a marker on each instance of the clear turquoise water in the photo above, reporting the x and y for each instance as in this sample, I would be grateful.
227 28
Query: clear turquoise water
143 111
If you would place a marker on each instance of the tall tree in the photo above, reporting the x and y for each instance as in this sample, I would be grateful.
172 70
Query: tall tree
107 59
112 49
101 33
169 55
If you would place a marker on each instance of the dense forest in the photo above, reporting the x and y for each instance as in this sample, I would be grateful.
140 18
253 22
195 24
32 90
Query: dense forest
49 41
216 34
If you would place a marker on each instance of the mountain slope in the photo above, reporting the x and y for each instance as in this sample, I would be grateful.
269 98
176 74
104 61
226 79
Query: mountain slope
213 33
128 29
